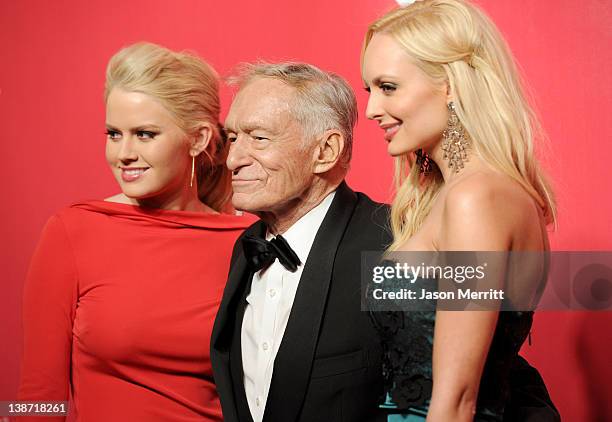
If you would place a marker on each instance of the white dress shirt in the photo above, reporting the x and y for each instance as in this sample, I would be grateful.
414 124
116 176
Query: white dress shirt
268 307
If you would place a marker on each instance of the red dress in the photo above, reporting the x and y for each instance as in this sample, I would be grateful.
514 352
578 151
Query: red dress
119 305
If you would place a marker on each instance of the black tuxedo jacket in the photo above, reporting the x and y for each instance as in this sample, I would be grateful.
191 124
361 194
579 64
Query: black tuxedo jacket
328 366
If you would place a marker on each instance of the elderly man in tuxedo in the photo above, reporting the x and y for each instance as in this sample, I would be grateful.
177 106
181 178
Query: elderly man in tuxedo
290 342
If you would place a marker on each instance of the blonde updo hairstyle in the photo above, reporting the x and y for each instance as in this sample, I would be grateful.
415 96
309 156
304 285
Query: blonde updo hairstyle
453 41
189 89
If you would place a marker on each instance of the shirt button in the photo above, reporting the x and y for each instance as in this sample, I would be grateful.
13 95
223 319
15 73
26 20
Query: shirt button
257 402
265 346
272 292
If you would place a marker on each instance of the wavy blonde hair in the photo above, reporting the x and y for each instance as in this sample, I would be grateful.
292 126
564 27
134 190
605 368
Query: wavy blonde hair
188 88
454 42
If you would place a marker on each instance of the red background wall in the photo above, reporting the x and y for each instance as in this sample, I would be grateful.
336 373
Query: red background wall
53 56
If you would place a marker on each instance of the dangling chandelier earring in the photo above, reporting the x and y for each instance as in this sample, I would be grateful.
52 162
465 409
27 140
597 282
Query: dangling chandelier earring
192 171
455 141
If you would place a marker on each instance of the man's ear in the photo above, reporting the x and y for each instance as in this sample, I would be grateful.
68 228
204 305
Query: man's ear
328 151
201 139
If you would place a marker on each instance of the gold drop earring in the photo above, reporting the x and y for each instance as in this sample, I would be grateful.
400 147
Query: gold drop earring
455 141
192 171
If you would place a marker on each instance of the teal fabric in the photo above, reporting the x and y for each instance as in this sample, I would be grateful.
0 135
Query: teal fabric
407 340
412 417
413 414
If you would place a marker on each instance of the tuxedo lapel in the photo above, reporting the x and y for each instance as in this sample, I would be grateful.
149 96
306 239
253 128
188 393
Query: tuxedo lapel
294 360
225 341
235 286
237 370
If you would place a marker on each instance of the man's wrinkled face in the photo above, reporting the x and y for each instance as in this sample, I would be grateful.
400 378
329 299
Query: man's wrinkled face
271 162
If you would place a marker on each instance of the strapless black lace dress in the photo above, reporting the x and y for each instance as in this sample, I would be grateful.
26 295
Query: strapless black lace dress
407 340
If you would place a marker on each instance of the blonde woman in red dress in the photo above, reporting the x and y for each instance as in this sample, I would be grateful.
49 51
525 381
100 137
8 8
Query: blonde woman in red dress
121 294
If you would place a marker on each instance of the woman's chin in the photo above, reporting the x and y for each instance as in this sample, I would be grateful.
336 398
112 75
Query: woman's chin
395 150
135 193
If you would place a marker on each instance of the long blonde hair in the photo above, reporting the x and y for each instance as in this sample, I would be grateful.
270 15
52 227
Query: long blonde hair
188 88
453 41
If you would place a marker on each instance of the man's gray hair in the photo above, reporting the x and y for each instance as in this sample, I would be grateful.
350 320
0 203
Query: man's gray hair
324 100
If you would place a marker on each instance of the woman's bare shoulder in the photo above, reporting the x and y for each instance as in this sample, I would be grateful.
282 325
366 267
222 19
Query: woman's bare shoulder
484 211
488 190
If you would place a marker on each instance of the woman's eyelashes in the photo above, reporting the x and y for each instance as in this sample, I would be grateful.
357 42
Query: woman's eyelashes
115 135
387 87
146 134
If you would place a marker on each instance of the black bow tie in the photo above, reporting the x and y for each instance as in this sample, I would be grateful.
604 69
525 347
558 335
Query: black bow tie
261 253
